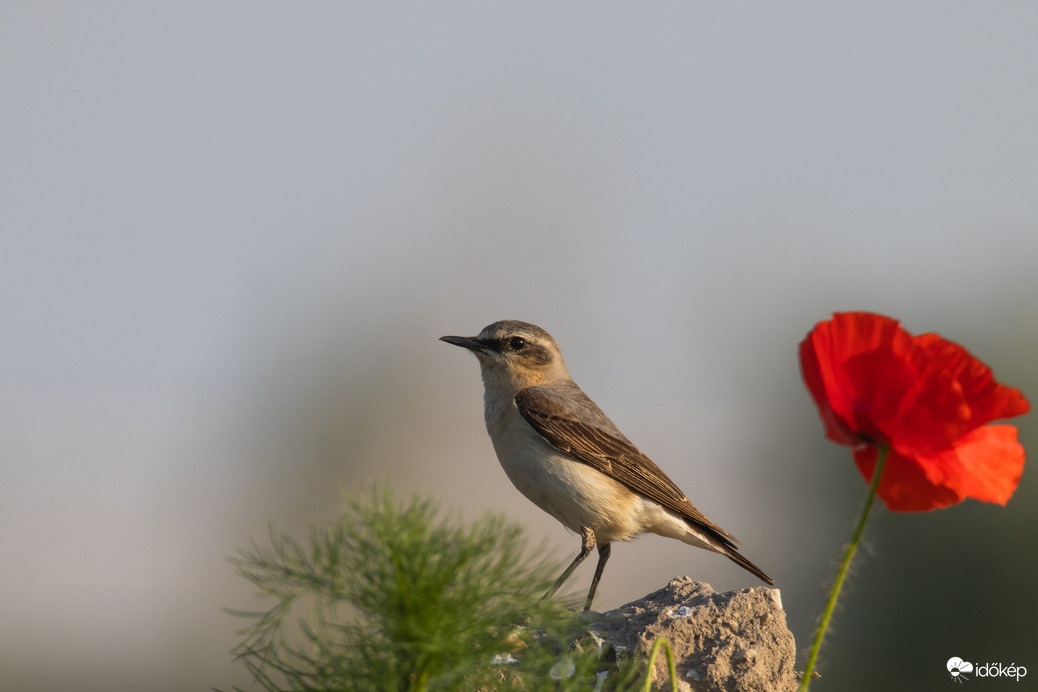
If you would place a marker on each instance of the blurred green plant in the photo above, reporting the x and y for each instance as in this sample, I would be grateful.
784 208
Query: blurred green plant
390 597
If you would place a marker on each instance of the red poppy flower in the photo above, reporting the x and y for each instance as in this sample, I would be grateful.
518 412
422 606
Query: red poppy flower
926 400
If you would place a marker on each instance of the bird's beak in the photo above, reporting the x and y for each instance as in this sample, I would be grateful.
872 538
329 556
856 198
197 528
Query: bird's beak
469 342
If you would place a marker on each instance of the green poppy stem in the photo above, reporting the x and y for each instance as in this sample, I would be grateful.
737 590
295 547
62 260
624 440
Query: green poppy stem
841 575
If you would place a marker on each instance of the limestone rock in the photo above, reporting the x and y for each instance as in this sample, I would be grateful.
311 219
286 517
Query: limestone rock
722 641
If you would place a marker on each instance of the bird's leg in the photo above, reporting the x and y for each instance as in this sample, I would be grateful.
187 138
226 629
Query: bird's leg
603 555
587 543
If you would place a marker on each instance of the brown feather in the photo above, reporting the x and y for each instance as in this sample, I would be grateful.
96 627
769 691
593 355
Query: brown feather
601 445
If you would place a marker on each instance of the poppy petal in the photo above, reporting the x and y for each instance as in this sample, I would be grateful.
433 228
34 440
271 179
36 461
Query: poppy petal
905 486
925 399
987 399
952 393
985 464
843 360
872 382
837 427
933 412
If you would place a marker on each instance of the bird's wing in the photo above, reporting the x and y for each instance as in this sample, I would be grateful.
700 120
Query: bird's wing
552 410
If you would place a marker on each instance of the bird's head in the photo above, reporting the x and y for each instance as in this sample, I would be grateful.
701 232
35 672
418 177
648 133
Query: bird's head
514 355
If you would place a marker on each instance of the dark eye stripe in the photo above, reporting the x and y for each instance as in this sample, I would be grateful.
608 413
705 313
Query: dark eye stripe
532 354
536 355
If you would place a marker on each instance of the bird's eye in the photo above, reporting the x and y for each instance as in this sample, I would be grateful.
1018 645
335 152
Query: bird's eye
517 343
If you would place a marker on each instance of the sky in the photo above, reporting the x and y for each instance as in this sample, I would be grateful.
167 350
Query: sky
231 234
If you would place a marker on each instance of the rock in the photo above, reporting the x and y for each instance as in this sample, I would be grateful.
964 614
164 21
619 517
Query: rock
722 641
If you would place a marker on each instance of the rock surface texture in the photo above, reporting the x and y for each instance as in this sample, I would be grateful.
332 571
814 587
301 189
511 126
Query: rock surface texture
722 641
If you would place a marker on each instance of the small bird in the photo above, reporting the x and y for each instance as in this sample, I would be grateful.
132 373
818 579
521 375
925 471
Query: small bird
569 459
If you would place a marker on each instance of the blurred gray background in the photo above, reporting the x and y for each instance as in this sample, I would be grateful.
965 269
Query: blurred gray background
230 236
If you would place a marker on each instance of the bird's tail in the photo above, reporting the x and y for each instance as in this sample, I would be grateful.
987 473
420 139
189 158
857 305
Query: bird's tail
742 561
712 537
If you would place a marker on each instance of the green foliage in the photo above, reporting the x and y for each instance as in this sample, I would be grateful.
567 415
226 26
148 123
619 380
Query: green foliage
672 673
389 597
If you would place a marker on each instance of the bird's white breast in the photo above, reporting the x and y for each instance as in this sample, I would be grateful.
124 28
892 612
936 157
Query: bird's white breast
571 491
